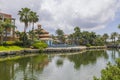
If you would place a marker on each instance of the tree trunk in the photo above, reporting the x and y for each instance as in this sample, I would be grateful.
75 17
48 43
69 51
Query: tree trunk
1 41
33 32
5 34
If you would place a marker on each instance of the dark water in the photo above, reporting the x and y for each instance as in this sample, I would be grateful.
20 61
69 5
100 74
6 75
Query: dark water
58 67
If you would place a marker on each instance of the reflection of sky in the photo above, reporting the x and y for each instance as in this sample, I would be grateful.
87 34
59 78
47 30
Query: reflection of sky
68 72
112 55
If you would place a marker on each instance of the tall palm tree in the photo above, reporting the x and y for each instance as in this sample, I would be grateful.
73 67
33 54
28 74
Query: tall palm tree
33 19
114 35
24 14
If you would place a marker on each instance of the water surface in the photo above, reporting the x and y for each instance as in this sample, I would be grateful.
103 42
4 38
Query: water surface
81 66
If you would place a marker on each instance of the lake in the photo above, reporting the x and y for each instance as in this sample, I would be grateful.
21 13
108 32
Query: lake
76 66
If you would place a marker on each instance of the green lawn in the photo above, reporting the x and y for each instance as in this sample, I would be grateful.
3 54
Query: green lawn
10 48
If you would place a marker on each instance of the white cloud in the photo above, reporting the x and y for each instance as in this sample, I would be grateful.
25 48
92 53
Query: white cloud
66 14
88 14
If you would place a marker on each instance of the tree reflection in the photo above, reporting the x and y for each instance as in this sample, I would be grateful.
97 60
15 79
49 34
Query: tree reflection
27 67
86 58
59 62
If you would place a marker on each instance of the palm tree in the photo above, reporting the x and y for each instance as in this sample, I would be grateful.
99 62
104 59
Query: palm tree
105 37
24 14
33 19
114 35
7 25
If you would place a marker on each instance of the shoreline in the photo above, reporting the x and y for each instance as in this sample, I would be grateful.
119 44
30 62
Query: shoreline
13 55
50 50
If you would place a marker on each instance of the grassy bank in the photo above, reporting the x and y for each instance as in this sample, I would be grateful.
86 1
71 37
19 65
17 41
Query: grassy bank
10 48
9 58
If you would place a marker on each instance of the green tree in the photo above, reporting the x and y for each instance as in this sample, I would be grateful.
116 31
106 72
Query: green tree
77 34
60 35
105 37
113 36
112 72
7 25
33 19
24 14
71 39
1 32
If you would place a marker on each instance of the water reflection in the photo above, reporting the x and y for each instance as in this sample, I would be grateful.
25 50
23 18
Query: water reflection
81 66
86 58
23 69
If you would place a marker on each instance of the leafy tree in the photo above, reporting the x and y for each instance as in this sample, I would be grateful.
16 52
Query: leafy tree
33 19
112 72
77 34
71 39
88 38
24 14
113 36
7 25
1 32
60 35
105 37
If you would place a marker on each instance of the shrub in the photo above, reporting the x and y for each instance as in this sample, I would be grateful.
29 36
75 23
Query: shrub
111 72
18 43
9 43
88 45
39 45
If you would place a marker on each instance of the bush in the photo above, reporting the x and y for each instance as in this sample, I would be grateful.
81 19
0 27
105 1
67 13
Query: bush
88 45
39 45
111 72
9 43
18 43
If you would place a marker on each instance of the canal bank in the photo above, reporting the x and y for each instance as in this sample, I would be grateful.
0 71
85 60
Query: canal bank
50 50
81 66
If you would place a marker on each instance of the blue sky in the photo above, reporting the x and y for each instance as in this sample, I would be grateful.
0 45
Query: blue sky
111 26
100 16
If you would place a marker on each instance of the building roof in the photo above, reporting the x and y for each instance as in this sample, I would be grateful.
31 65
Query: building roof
44 31
44 34
45 38
6 15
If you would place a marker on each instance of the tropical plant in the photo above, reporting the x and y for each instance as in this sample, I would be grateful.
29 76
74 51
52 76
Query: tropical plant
105 37
113 36
71 39
33 19
112 72
60 35
39 45
1 32
77 34
24 14
7 26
